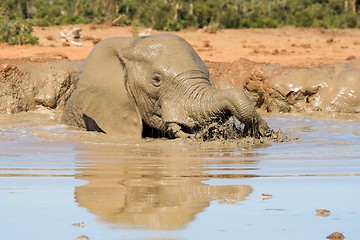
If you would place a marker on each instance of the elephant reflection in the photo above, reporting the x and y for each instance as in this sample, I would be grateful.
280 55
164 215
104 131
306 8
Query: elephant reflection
150 188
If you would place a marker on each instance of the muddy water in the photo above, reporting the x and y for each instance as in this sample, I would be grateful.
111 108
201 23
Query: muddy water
60 183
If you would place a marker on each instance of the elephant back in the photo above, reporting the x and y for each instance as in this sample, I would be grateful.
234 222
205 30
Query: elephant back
101 99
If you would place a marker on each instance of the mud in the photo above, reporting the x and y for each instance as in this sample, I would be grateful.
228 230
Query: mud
331 88
27 84
232 131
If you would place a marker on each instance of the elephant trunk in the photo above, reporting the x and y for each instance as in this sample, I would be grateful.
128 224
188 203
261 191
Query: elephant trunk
187 100
200 103
241 107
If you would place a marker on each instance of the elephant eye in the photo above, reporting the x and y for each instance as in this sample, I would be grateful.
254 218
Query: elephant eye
157 79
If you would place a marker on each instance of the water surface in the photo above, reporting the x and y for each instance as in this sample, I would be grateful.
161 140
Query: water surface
61 183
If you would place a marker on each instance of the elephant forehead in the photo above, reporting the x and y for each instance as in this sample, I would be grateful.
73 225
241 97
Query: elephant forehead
168 49
177 59
167 41
160 44
169 53
181 63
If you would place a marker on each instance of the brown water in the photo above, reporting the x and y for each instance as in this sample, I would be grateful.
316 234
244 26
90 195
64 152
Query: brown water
61 183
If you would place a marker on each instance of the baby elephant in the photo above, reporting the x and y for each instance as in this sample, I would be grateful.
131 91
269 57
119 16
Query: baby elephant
156 82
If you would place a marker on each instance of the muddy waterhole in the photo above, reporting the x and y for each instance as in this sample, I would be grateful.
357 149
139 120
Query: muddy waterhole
61 183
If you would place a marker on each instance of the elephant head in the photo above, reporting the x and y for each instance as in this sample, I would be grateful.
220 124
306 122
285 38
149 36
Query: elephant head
158 81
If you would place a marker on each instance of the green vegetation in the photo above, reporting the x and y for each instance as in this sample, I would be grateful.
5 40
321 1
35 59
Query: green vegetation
16 32
17 16
13 28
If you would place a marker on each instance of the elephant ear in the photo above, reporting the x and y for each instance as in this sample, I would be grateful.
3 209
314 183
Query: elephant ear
102 93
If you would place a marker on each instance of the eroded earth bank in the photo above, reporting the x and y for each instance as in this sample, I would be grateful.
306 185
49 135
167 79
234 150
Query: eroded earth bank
330 88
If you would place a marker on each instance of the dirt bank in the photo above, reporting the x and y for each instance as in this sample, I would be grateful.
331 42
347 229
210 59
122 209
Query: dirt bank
329 88
28 83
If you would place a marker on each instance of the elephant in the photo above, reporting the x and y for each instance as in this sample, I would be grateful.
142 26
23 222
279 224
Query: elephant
156 83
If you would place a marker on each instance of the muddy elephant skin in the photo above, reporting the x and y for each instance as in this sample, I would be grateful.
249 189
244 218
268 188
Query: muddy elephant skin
157 82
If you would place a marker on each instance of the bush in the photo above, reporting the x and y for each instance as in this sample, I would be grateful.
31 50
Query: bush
303 19
351 20
174 15
16 32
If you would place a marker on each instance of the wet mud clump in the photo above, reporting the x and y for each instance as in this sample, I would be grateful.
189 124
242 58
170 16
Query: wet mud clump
336 235
322 212
233 130
29 83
